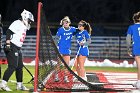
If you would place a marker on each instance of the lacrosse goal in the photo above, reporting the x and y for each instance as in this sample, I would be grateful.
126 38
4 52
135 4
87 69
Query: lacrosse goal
49 61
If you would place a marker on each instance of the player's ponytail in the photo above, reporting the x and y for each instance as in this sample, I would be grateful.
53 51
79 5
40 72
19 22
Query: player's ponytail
136 17
88 28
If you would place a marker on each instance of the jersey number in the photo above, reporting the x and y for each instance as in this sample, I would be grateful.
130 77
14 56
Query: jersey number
23 37
68 37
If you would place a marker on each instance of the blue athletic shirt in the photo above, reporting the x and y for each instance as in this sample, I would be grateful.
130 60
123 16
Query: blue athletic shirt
134 31
82 35
65 37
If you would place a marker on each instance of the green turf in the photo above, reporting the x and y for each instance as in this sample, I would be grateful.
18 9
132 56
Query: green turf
27 77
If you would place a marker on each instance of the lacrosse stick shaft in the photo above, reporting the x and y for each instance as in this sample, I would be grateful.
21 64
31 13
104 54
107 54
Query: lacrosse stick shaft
28 71
75 58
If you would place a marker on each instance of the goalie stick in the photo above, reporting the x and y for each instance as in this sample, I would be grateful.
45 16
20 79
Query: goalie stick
32 79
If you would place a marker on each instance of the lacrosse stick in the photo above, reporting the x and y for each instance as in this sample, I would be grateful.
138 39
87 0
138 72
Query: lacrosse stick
75 58
29 73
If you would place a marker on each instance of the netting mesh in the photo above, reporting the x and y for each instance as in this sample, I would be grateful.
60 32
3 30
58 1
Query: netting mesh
51 64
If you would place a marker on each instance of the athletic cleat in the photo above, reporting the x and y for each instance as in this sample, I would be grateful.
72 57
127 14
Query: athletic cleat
56 79
75 79
66 79
5 87
137 84
22 87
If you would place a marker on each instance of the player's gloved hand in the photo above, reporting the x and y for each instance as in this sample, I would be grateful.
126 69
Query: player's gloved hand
82 42
7 47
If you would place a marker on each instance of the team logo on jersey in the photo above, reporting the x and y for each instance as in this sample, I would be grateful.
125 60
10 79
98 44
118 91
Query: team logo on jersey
67 33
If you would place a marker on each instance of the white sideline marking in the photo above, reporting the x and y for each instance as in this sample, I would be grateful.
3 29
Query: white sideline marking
122 78
79 86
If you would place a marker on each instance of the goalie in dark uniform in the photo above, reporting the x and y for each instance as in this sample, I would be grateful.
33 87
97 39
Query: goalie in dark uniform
15 36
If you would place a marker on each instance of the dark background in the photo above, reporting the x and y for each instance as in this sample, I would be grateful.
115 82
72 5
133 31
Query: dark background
107 17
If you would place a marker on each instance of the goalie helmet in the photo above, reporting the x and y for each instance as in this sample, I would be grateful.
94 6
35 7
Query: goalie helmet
27 17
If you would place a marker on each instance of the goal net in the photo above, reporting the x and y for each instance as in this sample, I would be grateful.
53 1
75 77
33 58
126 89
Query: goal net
50 63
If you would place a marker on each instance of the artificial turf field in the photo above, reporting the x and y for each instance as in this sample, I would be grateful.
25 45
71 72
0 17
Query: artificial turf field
27 77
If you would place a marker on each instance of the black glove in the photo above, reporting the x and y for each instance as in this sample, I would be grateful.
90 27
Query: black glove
7 47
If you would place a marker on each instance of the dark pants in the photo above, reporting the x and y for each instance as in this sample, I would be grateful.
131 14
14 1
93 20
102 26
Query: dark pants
14 58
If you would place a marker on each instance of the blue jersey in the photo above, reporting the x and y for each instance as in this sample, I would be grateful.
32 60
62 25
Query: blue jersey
83 36
65 37
134 31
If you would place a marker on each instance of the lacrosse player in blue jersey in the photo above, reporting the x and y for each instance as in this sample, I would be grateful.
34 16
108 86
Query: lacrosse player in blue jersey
64 35
83 40
133 35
